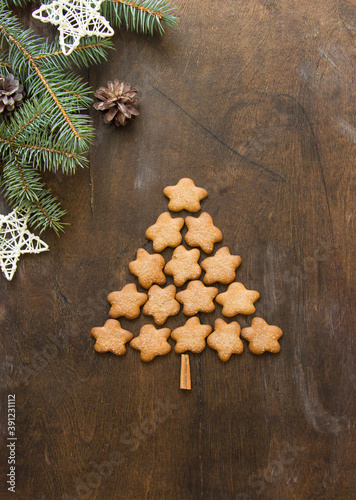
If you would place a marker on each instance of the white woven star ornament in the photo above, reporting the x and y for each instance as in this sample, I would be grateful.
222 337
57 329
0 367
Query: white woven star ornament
16 239
75 19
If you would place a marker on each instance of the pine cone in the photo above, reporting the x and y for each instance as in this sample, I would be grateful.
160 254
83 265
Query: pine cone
11 93
117 102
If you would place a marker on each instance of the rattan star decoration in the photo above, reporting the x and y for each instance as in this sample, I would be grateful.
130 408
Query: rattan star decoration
75 19
15 240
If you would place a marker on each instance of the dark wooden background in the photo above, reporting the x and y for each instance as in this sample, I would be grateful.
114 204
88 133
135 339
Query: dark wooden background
254 101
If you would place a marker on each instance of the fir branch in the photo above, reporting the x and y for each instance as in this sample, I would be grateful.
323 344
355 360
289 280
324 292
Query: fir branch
145 16
30 136
92 52
47 81
44 81
140 7
25 125
15 146
23 187
5 65
49 215
48 131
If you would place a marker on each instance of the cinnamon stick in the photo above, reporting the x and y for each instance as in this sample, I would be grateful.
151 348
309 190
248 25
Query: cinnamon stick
185 380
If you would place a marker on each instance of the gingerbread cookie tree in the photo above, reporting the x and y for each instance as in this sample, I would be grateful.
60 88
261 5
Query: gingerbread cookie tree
160 302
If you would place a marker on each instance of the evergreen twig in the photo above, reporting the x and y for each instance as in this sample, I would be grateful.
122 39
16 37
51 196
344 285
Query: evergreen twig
143 16
29 141
49 131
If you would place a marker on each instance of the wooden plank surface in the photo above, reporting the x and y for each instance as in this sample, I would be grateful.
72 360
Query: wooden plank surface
254 101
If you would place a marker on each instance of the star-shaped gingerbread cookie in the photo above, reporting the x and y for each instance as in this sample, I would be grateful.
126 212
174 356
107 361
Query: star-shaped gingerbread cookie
185 196
262 336
237 300
197 298
111 337
184 265
161 303
148 268
225 339
221 267
191 336
127 302
165 232
151 342
202 232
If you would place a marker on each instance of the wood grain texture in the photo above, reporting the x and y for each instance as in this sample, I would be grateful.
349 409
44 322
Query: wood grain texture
254 100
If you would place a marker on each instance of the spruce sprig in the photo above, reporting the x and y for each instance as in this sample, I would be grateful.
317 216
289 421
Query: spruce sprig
30 136
93 51
21 147
64 94
143 16
49 132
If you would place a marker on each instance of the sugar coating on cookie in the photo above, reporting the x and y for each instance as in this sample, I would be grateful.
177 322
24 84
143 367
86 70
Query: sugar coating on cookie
161 303
148 268
225 339
221 267
126 302
202 232
111 337
185 196
191 336
152 342
237 300
183 265
197 298
262 337
165 232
